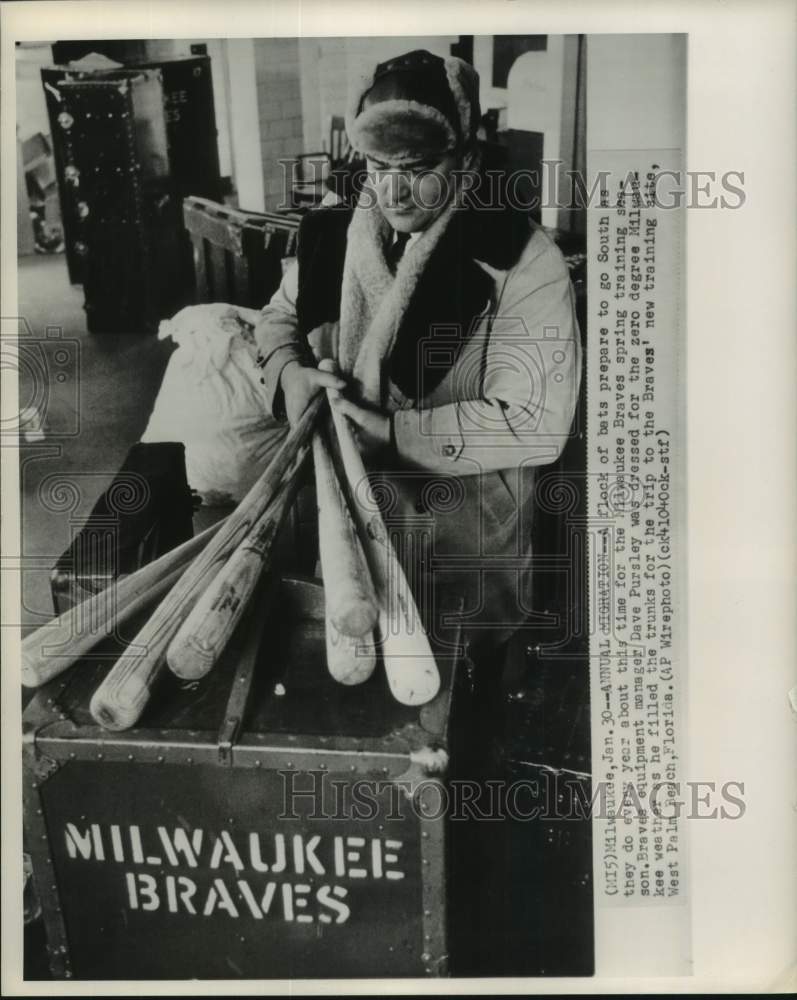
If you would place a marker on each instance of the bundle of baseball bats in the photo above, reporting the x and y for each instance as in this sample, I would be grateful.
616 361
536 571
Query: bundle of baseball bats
206 583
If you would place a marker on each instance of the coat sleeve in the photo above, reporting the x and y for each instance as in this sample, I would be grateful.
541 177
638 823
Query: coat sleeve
518 407
278 339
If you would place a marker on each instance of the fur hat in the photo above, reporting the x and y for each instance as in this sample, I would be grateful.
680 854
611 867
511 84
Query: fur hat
415 106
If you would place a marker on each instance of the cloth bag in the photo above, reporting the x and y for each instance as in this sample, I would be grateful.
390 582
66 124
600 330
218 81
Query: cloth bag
212 401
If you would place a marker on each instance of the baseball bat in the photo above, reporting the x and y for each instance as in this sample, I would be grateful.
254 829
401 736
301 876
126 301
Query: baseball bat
410 665
350 659
203 635
120 699
348 589
54 647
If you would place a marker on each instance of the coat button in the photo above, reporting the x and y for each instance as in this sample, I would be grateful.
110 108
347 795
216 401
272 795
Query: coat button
449 450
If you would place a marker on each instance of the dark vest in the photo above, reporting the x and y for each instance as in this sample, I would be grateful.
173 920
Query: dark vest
452 291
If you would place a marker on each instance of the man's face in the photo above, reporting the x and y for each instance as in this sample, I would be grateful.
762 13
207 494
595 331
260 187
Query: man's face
413 193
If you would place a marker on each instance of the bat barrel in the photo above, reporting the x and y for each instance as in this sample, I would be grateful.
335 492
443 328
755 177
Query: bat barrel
409 662
54 647
122 696
204 634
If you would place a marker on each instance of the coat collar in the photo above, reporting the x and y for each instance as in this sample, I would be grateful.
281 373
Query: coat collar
451 292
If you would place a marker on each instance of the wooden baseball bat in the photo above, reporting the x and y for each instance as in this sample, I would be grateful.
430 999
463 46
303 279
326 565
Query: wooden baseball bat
348 589
54 647
120 699
350 659
203 635
410 665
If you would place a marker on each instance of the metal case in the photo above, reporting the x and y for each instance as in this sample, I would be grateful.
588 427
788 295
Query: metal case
189 113
237 255
267 762
145 511
113 168
129 145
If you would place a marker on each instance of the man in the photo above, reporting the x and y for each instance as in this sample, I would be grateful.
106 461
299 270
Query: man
450 318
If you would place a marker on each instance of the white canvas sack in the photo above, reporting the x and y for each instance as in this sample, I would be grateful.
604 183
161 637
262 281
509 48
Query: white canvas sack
212 400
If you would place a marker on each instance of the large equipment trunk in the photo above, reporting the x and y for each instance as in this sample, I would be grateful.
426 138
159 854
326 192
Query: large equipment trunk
129 145
266 822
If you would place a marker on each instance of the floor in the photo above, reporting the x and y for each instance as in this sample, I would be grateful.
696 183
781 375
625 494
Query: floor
92 395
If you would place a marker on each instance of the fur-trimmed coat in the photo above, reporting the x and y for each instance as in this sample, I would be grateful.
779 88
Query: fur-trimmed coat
489 404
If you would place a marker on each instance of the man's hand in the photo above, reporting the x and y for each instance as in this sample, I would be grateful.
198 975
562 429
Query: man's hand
371 428
300 383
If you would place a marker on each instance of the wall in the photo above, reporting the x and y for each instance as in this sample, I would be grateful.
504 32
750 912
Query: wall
279 100
31 106
489 96
541 97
